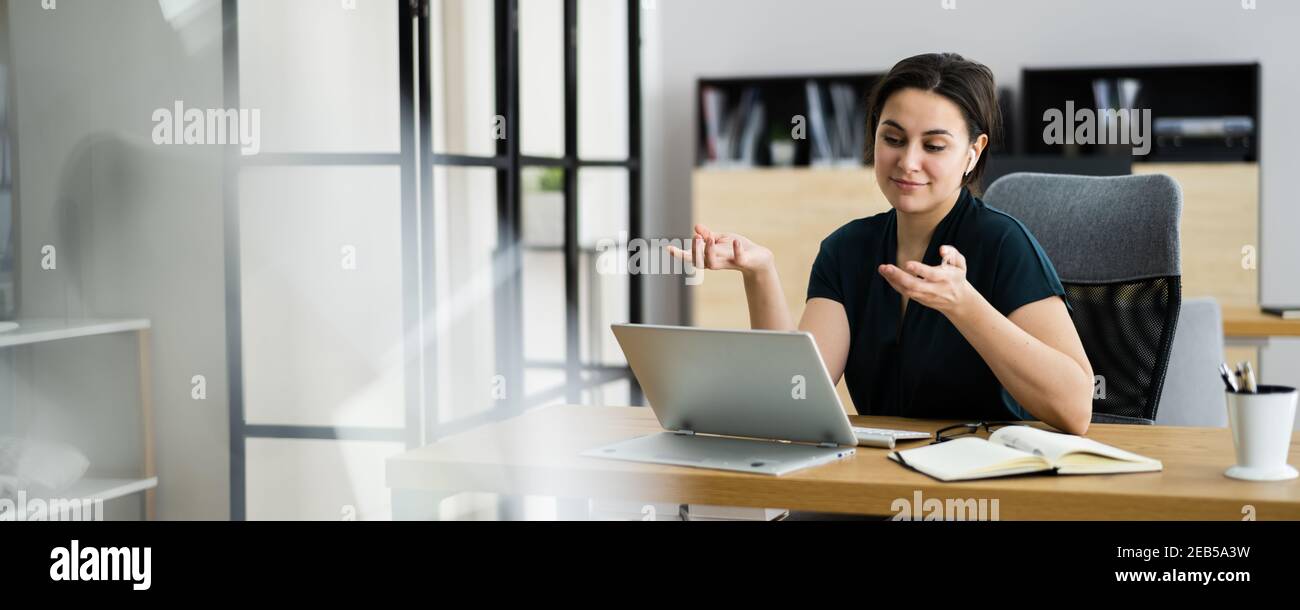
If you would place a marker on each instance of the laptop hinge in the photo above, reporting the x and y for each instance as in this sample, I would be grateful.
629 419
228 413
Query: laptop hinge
684 432
827 445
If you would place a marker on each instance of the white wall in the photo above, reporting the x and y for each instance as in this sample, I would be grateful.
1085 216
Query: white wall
702 38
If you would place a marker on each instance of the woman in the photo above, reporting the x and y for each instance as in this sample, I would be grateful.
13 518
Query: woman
942 307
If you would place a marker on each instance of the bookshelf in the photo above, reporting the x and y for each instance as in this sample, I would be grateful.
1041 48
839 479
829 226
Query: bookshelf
98 485
1199 113
91 489
744 122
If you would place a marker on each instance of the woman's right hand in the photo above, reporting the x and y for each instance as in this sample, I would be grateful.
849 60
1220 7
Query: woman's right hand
712 250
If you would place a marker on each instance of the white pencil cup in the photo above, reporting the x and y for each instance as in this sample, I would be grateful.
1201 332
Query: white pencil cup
1261 433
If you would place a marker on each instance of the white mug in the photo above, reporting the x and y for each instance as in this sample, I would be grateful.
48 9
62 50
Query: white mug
1261 433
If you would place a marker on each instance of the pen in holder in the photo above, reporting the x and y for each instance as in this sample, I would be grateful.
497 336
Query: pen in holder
1261 424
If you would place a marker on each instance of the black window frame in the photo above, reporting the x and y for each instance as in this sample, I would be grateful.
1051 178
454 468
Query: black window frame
418 260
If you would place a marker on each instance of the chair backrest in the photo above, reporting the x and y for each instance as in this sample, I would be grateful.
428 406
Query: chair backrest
1193 393
1114 242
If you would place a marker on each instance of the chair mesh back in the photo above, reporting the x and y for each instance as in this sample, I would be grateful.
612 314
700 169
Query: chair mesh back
1127 329
1115 243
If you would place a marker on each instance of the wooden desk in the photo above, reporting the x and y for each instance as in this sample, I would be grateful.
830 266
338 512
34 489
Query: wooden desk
537 453
1239 321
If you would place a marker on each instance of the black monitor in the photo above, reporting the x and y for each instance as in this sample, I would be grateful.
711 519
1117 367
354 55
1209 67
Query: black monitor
1091 165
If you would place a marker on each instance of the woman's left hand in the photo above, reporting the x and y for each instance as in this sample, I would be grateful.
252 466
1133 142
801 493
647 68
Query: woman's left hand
943 288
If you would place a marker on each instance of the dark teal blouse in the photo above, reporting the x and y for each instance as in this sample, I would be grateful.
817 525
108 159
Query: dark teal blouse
928 369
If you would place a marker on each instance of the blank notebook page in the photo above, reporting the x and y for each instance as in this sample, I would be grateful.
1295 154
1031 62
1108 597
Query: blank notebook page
968 456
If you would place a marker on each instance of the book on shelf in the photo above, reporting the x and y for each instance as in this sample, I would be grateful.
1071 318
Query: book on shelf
731 135
1115 93
819 143
712 102
837 130
1203 127
770 122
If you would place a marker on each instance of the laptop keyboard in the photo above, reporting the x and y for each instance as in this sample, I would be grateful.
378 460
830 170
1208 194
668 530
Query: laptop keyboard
901 435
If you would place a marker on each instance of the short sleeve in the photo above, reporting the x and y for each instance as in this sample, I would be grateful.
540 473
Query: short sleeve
1024 273
825 280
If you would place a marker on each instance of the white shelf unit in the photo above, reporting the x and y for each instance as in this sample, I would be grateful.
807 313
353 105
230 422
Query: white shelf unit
32 331
96 489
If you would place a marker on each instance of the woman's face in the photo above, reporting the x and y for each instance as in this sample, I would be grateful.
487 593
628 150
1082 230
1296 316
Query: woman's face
922 150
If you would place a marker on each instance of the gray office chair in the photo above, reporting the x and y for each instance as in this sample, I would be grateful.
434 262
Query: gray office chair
1114 242
1193 393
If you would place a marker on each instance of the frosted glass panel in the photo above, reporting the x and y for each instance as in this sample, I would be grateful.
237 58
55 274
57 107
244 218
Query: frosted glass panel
543 285
318 480
463 70
466 241
602 79
602 204
604 287
615 393
324 76
544 306
541 77
543 264
322 295
544 386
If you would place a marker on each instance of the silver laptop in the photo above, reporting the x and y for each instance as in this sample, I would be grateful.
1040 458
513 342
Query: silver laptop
746 400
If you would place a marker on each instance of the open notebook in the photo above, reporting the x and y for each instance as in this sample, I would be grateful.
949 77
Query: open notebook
1020 450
